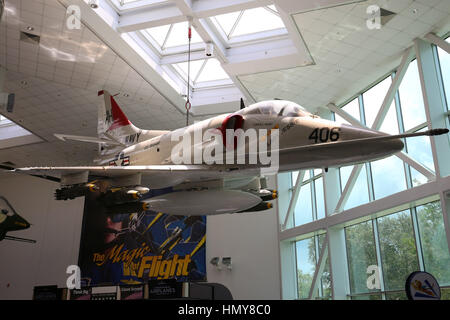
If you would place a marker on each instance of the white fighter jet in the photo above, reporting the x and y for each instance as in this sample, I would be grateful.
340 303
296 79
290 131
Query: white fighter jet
216 165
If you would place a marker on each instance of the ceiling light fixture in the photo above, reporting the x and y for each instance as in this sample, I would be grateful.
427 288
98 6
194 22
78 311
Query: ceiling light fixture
29 28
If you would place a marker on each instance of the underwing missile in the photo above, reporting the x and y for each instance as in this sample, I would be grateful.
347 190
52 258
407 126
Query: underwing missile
122 195
75 191
259 207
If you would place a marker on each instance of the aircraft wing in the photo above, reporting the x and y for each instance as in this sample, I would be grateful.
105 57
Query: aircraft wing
161 176
157 176
65 137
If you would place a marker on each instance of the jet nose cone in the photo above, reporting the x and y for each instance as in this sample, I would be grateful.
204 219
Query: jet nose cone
23 223
388 147
396 145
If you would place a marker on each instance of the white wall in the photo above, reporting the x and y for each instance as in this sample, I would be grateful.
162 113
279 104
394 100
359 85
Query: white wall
56 226
251 240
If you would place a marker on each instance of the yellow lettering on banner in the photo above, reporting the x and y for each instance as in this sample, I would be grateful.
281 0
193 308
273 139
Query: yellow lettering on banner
154 264
135 262
115 251
175 263
164 270
187 260
129 269
145 265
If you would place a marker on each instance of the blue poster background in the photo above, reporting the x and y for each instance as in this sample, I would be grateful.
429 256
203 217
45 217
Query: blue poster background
135 248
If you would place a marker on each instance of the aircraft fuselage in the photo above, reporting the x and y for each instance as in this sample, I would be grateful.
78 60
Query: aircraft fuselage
293 132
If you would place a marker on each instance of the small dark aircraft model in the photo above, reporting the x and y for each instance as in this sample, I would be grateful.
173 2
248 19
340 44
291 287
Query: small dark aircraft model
10 220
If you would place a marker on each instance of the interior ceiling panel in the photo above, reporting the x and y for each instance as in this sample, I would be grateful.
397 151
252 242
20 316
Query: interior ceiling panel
348 55
56 84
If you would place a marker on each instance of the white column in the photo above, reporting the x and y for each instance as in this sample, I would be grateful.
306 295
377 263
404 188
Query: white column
337 255
435 105
288 264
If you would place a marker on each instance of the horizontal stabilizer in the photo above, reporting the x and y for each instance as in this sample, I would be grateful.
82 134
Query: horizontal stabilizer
65 137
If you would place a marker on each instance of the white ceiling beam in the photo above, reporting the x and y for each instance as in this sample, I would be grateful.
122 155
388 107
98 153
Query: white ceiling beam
182 57
345 115
441 43
414 164
108 13
292 6
185 6
390 95
201 26
348 188
262 57
295 35
149 18
206 33
208 8
179 10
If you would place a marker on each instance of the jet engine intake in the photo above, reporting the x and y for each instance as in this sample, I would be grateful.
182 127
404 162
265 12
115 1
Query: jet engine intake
232 122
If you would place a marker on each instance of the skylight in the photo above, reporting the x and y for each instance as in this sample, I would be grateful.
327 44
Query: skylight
122 2
247 22
12 135
161 39
173 35
202 71
136 3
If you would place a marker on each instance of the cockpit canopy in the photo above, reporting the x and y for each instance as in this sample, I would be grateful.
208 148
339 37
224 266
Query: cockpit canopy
280 108
5 207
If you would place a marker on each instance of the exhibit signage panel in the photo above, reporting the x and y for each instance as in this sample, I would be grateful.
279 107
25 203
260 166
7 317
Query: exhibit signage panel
123 249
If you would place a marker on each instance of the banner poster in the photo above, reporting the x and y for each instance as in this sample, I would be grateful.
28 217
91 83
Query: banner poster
134 248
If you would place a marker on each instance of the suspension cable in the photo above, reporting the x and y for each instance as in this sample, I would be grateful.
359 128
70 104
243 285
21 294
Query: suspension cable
188 103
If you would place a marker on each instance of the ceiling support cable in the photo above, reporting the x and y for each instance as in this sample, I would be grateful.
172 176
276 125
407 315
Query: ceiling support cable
188 103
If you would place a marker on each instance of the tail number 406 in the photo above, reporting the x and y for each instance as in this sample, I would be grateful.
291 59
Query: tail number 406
324 135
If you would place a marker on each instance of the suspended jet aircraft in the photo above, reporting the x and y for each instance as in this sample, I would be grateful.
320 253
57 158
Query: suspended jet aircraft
194 164
10 220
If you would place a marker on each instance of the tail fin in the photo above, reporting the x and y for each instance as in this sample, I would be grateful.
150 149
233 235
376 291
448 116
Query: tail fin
114 130
113 123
